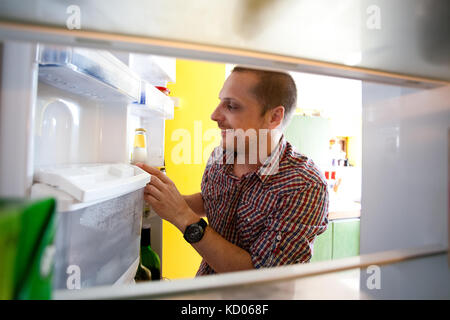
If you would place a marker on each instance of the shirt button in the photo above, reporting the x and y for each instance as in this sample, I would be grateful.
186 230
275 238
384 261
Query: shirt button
247 219
278 238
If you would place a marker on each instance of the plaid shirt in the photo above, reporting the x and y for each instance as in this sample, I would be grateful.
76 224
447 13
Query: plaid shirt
274 213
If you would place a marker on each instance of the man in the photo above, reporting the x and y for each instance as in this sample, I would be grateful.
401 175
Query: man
264 201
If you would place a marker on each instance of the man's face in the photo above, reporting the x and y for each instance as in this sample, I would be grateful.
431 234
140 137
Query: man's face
238 109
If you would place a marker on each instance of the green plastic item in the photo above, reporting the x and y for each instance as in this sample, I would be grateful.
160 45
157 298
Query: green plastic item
9 237
33 250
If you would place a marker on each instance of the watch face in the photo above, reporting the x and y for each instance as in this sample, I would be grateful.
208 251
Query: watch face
193 233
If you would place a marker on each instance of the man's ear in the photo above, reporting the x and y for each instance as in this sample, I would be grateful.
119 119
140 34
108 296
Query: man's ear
276 117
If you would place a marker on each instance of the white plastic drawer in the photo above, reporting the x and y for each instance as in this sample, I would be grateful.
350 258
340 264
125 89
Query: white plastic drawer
98 243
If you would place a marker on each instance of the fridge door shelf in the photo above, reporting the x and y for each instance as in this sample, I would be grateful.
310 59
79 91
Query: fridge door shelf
153 103
146 111
87 183
95 74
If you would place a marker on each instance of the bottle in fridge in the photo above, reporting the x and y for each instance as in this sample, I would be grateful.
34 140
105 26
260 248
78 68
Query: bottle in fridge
150 261
149 258
140 146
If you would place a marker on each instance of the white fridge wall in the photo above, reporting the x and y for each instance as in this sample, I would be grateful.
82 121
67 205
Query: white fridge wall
73 129
18 94
404 171
404 183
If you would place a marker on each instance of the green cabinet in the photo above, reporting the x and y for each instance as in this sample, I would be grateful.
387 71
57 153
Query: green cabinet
340 240
345 238
310 136
323 245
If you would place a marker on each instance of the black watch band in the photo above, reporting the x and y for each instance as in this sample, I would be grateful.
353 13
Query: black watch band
194 232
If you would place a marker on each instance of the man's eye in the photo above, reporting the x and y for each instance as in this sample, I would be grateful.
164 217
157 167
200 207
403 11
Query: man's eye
232 107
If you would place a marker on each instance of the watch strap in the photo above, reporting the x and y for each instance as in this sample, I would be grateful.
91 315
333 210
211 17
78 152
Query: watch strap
203 224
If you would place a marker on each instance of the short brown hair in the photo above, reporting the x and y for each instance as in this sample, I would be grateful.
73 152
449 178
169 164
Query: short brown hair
274 89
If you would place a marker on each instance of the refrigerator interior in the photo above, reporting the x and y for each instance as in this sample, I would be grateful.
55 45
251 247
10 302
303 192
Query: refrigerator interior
102 132
76 111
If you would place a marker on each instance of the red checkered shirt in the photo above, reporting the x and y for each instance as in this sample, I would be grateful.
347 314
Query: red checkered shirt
274 212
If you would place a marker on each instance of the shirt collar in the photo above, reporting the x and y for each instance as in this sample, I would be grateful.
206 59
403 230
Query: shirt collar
272 163
268 168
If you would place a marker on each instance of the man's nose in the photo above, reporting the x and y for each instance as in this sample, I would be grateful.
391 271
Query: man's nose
217 114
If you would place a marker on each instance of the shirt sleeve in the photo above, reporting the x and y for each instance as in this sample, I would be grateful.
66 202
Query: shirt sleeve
290 232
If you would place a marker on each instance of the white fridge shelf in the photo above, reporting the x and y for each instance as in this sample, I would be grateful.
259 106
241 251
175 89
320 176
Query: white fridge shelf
95 74
93 182
153 103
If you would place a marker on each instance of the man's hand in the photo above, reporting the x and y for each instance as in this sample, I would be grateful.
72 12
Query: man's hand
162 194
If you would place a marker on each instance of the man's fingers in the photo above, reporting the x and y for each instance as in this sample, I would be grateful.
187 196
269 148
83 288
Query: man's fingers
153 191
157 183
147 168
154 172
150 199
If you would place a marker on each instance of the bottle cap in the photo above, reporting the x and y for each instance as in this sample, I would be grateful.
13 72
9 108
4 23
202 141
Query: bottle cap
140 129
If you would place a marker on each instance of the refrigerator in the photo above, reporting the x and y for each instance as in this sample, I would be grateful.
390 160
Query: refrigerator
69 116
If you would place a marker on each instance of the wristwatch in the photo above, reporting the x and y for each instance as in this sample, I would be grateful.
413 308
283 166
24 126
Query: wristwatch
194 232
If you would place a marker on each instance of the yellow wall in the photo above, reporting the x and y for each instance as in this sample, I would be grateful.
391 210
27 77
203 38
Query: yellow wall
197 86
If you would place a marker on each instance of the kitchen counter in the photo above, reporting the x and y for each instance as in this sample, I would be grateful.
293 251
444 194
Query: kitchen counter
349 214
343 208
